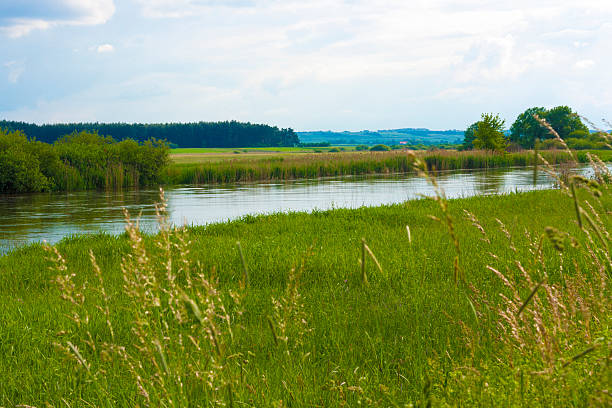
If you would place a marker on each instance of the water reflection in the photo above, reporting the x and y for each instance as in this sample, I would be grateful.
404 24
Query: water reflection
34 217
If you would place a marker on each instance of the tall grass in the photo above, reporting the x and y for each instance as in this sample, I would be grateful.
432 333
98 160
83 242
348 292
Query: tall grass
339 164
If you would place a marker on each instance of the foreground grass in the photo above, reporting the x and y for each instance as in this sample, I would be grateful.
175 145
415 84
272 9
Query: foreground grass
306 330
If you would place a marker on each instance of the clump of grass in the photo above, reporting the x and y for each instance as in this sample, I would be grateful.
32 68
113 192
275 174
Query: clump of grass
181 323
552 315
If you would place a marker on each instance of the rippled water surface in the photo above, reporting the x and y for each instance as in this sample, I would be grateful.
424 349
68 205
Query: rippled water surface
37 217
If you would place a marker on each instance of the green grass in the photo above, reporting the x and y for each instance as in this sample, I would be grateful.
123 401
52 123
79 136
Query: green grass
604 155
241 149
205 150
413 335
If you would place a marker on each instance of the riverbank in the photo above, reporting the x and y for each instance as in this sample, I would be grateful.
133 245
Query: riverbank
218 169
306 325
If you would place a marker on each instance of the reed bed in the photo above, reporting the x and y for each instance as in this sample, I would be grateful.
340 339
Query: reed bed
311 166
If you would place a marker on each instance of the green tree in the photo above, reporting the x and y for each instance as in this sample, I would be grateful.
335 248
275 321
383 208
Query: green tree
526 129
19 165
468 136
489 133
565 121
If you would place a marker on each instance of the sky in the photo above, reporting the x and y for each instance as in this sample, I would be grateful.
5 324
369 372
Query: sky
305 64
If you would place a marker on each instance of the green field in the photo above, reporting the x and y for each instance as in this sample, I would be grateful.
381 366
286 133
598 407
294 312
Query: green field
306 325
183 156
240 150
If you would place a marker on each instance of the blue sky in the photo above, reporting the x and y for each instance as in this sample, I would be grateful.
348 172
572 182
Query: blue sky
320 64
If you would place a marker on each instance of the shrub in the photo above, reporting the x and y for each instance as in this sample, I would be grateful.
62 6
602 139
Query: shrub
380 148
20 167
78 161
20 172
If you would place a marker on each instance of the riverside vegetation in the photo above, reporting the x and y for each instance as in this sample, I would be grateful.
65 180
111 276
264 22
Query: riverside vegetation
297 166
85 160
78 161
493 301
81 161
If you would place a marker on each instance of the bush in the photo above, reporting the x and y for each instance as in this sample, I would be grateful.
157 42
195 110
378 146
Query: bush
361 147
20 173
380 148
551 144
579 134
20 169
78 161
316 144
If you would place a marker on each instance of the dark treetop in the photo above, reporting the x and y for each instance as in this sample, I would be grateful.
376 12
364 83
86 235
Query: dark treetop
196 134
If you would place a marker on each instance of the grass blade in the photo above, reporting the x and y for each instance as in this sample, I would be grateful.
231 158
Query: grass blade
531 295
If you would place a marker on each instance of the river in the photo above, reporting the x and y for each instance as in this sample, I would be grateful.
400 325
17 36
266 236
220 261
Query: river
51 216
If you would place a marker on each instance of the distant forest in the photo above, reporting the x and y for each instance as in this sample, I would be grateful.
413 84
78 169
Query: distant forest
196 134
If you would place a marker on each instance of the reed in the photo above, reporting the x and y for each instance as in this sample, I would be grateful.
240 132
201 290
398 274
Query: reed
312 166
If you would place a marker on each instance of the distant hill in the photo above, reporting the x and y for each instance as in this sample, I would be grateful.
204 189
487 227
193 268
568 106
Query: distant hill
412 136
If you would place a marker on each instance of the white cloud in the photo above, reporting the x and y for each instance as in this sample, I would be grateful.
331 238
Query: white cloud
105 48
15 69
337 63
182 8
19 27
20 17
584 64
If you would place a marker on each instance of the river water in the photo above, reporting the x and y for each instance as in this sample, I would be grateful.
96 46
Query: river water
52 216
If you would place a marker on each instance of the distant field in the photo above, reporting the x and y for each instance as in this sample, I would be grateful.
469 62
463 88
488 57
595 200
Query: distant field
254 149
206 155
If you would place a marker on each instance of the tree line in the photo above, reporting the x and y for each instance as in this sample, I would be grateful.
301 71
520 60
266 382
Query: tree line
195 134
77 161
489 132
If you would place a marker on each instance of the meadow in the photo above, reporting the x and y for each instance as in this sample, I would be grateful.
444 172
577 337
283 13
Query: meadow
486 301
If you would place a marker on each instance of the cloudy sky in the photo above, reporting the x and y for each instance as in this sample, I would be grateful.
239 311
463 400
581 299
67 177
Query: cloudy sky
305 64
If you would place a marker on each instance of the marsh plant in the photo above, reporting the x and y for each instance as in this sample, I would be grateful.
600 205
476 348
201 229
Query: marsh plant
348 163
